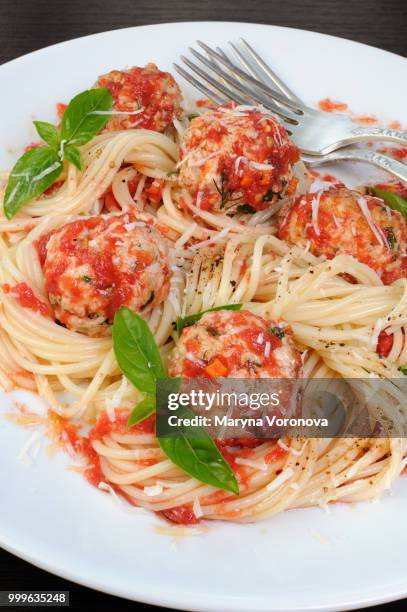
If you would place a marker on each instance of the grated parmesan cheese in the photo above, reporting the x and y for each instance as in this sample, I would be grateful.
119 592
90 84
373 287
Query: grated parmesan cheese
368 215
115 401
258 166
24 455
153 491
115 112
283 445
220 236
191 357
202 160
315 210
129 227
186 235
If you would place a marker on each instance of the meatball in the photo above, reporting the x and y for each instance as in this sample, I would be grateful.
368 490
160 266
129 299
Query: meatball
237 159
341 221
94 266
149 90
234 344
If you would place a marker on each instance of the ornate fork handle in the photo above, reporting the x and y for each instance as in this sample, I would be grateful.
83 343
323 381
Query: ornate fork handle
381 133
382 161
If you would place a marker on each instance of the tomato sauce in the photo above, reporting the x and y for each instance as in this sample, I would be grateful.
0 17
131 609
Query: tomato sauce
61 107
26 297
104 425
329 106
276 454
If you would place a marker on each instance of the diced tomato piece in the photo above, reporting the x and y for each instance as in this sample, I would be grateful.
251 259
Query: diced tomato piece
215 369
182 515
329 106
384 344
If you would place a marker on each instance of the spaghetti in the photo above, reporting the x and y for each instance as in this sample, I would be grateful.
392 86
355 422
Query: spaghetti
338 309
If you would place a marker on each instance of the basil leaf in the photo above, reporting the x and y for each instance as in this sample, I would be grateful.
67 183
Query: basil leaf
48 133
195 452
191 319
404 370
193 116
391 199
73 155
136 351
33 173
142 411
82 119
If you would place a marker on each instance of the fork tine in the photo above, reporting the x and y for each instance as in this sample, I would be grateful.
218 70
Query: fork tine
253 69
207 92
267 71
250 97
293 107
231 95
221 52
246 64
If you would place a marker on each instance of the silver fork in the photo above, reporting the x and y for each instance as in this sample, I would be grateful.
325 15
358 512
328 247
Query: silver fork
256 65
314 132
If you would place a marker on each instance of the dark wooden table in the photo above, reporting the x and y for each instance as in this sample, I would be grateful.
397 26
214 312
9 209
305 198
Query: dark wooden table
27 25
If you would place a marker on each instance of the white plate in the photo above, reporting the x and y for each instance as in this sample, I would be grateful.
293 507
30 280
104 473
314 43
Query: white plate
302 560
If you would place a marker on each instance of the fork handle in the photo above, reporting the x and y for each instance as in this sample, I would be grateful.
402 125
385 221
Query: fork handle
382 161
380 133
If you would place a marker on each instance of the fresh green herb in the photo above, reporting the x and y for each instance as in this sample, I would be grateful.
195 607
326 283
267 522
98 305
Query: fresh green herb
191 319
391 199
245 209
142 411
391 238
86 115
193 116
196 453
140 361
49 133
221 191
277 331
404 370
73 155
136 351
270 195
172 173
38 168
86 279
33 173
225 195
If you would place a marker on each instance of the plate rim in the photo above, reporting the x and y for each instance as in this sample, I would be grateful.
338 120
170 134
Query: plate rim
194 23
183 602
183 599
